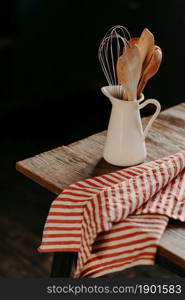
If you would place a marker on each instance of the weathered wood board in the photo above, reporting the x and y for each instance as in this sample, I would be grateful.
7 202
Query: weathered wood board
57 168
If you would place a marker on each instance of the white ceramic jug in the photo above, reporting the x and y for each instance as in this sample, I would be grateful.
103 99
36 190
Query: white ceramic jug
125 141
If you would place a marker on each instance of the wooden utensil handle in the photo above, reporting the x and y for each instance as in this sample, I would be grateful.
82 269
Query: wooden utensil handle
141 86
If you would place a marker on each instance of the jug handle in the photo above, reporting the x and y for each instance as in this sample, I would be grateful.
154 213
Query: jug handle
158 108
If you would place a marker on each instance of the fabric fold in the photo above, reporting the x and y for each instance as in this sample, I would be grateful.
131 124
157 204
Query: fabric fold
116 220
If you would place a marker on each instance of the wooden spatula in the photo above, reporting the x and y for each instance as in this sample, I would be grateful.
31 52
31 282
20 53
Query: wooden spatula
146 44
129 71
138 42
151 69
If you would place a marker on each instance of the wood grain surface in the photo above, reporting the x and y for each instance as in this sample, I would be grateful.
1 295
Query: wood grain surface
57 168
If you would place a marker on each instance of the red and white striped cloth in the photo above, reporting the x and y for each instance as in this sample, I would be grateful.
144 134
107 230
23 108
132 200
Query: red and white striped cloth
115 221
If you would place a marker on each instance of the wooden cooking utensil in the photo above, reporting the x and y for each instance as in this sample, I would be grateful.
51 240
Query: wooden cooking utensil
135 41
146 44
128 70
151 69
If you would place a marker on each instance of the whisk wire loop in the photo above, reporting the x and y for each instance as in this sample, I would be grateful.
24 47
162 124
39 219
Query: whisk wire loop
111 48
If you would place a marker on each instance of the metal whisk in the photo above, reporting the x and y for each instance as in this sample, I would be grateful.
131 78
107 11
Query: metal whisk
110 49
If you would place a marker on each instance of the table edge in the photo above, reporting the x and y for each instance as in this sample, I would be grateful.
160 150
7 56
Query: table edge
38 179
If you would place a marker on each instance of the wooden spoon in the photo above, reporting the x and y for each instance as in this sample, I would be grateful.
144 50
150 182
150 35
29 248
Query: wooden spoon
128 70
151 69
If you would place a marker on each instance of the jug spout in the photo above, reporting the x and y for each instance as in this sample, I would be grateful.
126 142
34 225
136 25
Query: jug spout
115 92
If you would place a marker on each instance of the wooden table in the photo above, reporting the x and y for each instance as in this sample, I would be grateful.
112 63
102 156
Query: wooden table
58 168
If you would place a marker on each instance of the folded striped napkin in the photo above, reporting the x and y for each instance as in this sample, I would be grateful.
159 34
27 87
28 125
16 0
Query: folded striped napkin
115 221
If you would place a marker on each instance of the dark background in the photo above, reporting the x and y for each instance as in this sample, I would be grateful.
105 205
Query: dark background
50 73
50 80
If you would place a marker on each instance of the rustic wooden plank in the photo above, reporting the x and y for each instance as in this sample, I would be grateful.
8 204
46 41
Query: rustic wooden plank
172 244
64 165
